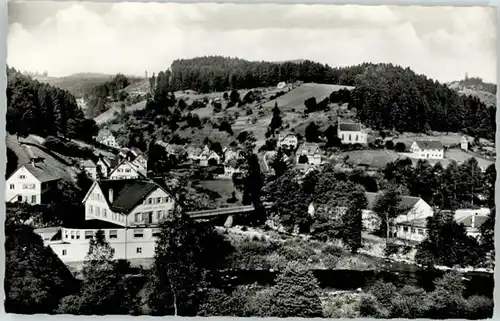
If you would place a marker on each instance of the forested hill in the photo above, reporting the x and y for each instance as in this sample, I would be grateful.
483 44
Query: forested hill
216 73
41 109
385 96
390 97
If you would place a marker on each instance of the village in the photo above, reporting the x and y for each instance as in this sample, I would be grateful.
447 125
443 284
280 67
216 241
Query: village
129 202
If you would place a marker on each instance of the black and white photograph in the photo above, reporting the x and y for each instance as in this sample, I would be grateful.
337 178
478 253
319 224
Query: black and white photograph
250 160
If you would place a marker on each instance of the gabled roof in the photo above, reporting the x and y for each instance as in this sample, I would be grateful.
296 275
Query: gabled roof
127 193
131 165
478 221
429 144
284 135
40 171
308 149
353 127
407 202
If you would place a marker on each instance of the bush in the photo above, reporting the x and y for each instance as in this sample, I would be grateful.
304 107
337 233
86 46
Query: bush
68 148
400 147
389 144
391 249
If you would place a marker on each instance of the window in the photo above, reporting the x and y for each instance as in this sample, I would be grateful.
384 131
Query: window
22 176
158 200
127 170
342 136
170 212
19 198
88 234
156 232
77 235
159 215
356 137
421 231
405 228
138 233
72 235
413 231
349 137
64 252
97 211
104 212
33 199
113 234
11 186
138 250
91 209
138 217
150 200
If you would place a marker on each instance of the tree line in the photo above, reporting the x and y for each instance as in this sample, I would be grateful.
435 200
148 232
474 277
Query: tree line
42 109
99 96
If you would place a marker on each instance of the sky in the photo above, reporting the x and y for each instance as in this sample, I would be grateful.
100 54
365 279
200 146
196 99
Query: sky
64 38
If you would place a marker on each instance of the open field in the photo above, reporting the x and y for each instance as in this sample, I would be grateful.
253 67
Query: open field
445 139
462 156
115 107
224 187
377 158
295 98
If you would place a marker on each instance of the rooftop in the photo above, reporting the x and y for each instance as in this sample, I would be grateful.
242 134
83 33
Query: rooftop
308 149
353 127
429 144
407 202
127 193
41 172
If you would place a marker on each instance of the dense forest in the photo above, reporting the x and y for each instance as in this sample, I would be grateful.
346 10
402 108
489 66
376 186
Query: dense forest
41 109
385 96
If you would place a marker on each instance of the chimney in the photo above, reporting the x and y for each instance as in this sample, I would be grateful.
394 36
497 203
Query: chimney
110 195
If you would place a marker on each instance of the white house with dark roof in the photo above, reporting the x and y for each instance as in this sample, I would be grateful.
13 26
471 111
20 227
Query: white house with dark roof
30 183
413 207
287 140
126 170
106 165
137 158
351 133
310 152
107 138
416 229
427 149
127 211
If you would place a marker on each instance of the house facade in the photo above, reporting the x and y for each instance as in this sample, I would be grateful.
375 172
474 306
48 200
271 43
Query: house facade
30 183
310 152
351 133
413 208
427 149
127 211
125 170
105 137
287 140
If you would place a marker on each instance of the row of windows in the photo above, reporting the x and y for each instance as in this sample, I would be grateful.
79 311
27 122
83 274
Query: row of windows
121 170
27 199
25 186
148 216
112 234
414 230
356 138
157 200
138 250
97 211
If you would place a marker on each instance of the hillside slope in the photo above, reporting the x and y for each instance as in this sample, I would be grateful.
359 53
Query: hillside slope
76 84
25 152
486 97
295 98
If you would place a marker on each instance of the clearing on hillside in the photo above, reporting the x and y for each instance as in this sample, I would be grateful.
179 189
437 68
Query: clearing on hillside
377 158
295 98
115 107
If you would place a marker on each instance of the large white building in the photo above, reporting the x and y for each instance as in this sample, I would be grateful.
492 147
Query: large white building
127 211
351 133
427 149
30 183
